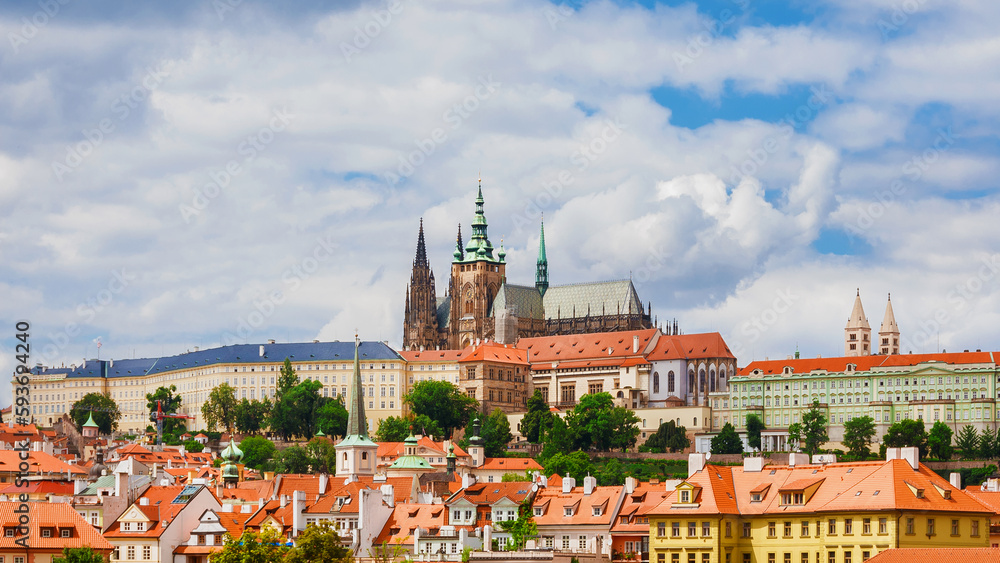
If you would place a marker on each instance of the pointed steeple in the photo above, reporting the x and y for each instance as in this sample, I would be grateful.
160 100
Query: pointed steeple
479 247
459 249
888 333
857 333
357 423
542 265
421 258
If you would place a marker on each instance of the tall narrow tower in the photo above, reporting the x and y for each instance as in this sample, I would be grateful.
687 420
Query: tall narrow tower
542 265
356 452
476 277
888 333
857 333
420 324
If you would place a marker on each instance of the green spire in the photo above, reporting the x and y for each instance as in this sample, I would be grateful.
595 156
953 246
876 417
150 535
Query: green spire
357 424
542 265
90 421
479 247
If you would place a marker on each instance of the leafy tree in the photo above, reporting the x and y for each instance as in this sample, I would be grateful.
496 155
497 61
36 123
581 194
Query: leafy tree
220 408
332 415
424 425
794 436
537 420
251 414
292 460
322 456
392 429
287 379
989 441
574 464
939 441
193 446
257 451
266 547
754 427
516 478
668 437
442 402
814 429
295 412
106 417
79 555
170 403
858 434
557 439
613 473
727 441
521 529
596 423
495 432
319 543
907 433
967 442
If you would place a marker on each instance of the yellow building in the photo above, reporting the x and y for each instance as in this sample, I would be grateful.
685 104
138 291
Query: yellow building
806 513
252 370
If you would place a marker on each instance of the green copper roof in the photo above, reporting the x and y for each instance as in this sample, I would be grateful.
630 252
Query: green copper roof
479 248
357 423
542 265
90 421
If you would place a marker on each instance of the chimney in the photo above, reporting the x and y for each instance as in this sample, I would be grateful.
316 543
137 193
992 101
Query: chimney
270 341
227 507
284 501
260 503
568 483
629 485
912 456
468 479
589 482
144 501
261 350
79 485
956 480
323 480
298 512
696 462
635 343
753 464
798 459
388 494
891 454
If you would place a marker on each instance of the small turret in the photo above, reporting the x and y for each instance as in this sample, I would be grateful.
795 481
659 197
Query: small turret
542 264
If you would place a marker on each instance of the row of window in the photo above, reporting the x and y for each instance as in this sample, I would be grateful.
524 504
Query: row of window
130 553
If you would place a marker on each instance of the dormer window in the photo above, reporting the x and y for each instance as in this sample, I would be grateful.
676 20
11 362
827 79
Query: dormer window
538 512
46 532
66 533
568 511
126 526
597 511
755 497
685 496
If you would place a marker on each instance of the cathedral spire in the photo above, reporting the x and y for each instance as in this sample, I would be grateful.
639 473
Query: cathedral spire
479 247
356 452
421 258
357 423
459 251
888 333
857 333
542 265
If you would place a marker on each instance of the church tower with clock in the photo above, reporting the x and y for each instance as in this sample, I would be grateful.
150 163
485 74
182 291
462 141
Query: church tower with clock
476 277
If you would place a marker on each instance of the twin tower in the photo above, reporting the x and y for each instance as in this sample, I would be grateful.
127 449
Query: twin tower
858 334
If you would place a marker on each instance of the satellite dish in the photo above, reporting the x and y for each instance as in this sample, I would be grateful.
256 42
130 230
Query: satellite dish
708 456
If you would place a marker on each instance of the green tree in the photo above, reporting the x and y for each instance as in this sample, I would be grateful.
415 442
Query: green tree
794 436
858 435
595 423
296 410
521 529
425 426
319 543
814 429
537 420
170 403
105 409
754 427
257 451
495 432
193 446
287 379
727 441
574 464
557 439
668 437
332 415
250 415
292 460
392 429
322 456
442 402
266 547
939 441
967 442
220 408
79 555
907 433
989 441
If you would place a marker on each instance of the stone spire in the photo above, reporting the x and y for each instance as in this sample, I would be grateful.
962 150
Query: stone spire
542 265
857 333
888 333
421 258
356 452
420 326
357 423
459 250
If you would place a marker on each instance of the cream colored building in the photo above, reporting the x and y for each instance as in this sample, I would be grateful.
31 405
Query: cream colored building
252 370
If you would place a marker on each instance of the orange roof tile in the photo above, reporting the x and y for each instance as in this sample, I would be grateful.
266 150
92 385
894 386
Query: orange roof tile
491 493
514 464
407 517
52 514
865 363
493 352
635 506
690 346
557 501
570 347
161 510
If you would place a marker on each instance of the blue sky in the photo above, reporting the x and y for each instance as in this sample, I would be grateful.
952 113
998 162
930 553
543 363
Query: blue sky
189 175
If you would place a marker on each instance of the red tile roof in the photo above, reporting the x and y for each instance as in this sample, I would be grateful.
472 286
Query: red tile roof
513 464
407 517
432 355
51 514
493 352
690 346
571 347
936 555
40 462
161 510
865 363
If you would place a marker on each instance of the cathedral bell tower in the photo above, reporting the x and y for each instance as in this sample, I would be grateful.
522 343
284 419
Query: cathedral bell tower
420 323
476 277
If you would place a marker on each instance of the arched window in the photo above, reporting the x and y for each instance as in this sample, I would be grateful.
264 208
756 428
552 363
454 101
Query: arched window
711 380
701 381
656 382
670 381
695 422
